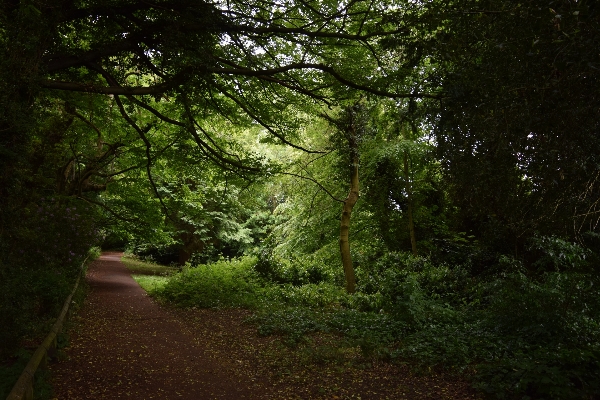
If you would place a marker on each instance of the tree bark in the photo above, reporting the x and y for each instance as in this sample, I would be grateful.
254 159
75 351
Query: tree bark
409 199
349 203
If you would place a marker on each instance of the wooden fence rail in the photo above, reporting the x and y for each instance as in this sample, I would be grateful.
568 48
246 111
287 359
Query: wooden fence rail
23 389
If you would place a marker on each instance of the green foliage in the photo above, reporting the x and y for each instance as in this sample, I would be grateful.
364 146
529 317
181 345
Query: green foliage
295 271
226 283
140 267
292 322
42 289
11 370
512 79
311 295
489 140
159 252
556 254
396 279
150 276
151 283
520 335
543 372
372 332
39 267
534 324
514 333
94 253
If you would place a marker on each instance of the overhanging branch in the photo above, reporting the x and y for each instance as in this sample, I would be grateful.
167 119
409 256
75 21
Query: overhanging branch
324 68
115 90
308 178
110 210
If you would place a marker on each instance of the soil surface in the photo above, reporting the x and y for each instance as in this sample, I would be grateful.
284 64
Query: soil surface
123 345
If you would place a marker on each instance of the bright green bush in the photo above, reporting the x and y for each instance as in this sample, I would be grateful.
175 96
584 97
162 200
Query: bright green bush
226 283
149 283
94 253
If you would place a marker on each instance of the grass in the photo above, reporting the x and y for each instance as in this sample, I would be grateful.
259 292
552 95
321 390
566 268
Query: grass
225 283
139 267
148 275
514 336
150 283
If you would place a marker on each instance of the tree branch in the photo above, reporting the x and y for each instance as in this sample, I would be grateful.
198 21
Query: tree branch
110 210
320 67
142 135
262 123
315 182
213 153
115 90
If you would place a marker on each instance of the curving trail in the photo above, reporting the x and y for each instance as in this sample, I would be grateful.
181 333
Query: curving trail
127 346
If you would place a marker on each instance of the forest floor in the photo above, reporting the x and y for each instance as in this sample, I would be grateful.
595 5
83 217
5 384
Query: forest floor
122 344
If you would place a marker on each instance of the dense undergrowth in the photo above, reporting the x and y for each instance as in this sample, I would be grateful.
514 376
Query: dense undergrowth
18 355
41 256
40 259
11 370
517 333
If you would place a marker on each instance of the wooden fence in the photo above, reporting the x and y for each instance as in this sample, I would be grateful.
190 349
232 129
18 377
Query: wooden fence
23 389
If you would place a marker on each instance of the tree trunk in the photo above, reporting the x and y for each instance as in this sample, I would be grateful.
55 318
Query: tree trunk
409 198
345 223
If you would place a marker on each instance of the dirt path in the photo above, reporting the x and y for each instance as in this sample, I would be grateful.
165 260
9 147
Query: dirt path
125 346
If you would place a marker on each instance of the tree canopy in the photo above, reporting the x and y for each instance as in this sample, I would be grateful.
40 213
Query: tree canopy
462 132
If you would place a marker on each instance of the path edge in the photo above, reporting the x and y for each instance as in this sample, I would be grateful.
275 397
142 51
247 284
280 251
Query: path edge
23 388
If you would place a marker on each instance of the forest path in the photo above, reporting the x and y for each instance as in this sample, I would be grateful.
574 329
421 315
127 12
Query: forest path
123 345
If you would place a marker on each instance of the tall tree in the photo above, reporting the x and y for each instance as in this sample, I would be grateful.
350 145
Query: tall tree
515 132
351 126
181 63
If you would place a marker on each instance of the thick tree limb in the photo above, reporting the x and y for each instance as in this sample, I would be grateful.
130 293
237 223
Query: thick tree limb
115 90
58 62
324 68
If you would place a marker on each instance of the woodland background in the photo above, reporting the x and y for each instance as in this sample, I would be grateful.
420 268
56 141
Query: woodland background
440 160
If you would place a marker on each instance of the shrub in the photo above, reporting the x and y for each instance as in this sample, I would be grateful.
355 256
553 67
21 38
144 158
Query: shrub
165 254
226 283
296 270
39 262
555 254
550 329
534 336
518 332
292 322
309 295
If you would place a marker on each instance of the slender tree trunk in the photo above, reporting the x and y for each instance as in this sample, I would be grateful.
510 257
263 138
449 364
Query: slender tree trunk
349 203
409 197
